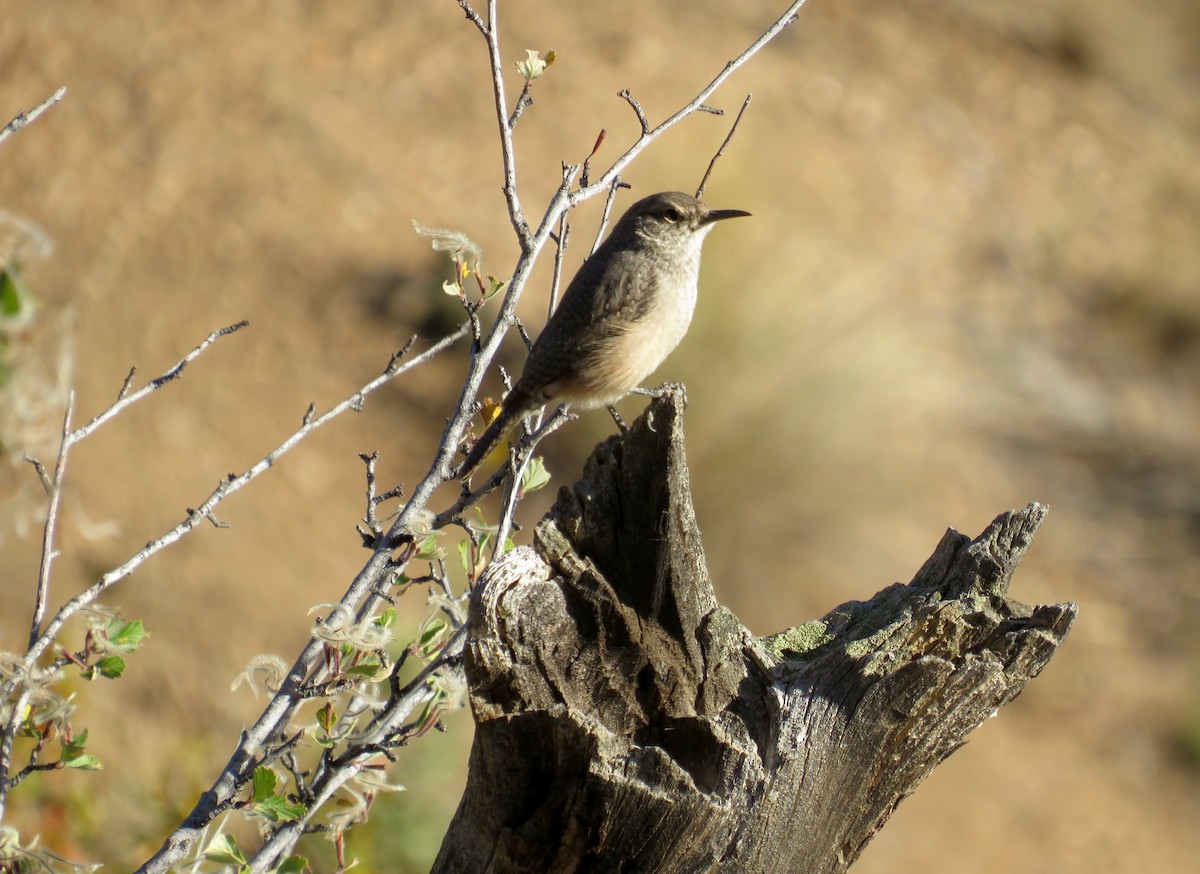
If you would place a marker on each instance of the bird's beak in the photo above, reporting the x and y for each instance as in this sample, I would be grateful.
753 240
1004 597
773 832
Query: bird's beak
717 215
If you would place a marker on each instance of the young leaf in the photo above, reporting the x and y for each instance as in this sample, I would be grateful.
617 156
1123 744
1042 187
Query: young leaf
533 66
125 636
428 549
224 849
534 476
264 783
110 667
326 718
495 286
464 556
86 762
431 636
278 809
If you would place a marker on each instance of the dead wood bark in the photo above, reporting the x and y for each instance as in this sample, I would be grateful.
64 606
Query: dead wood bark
625 721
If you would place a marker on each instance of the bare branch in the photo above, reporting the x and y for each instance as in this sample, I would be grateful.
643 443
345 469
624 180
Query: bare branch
48 551
564 237
524 451
399 356
789 16
26 116
721 150
127 384
224 489
124 399
491 35
361 595
523 102
40 469
637 108
473 16
608 205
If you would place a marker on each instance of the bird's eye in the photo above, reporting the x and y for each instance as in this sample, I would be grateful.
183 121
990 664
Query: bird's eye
672 215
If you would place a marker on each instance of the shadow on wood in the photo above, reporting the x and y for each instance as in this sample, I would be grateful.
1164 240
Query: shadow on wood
625 721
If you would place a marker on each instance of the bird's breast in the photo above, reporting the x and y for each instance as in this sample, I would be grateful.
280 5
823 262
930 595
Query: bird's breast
637 348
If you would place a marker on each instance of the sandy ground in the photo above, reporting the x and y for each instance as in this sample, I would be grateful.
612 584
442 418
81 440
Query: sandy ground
969 282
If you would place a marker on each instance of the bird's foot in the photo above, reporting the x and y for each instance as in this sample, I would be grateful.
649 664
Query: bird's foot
667 388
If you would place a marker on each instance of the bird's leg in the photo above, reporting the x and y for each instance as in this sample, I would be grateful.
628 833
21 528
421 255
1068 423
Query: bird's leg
612 411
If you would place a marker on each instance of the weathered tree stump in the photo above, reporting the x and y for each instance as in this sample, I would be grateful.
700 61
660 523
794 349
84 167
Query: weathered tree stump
625 721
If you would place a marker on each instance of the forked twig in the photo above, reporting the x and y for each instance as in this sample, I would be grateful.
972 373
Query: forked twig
125 399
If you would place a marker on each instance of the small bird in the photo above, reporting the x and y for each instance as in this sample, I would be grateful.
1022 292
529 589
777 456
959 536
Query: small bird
624 312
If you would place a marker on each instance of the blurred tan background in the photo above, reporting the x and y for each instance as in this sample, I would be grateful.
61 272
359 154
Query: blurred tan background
970 282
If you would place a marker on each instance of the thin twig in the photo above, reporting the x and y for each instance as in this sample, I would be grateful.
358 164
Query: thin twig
473 16
524 453
787 18
369 461
25 117
628 97
564 237
227 487
128 384
43 476
124 399
585 174
16 717
48 551
608 205
491 33
523 102
351 763
721 150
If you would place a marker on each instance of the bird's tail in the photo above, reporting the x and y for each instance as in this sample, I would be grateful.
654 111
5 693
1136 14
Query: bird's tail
514 409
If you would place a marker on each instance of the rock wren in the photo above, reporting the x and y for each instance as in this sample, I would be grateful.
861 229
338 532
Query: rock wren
626 309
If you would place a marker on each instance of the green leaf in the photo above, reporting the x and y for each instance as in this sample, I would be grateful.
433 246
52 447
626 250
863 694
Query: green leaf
293 865
13 291
86 762
279 809
534 476
224 849
73 755
464 556
495 286
125 636
428 549
387 618
264 783
109 667
326 718
431 635
370 670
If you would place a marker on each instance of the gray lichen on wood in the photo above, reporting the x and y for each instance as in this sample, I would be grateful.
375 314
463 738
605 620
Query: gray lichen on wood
626 721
